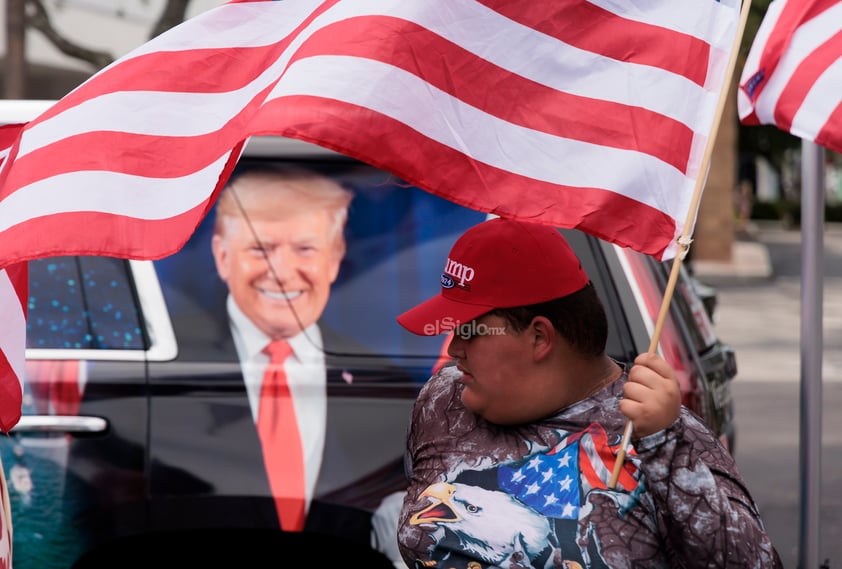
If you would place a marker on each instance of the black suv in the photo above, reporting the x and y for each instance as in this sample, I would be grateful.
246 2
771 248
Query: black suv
134 450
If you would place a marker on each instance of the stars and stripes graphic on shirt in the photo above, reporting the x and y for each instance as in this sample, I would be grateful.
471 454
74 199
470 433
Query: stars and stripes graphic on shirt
792 77
555 482
577 113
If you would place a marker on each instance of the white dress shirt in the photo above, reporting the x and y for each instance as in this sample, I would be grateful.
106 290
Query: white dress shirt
307 376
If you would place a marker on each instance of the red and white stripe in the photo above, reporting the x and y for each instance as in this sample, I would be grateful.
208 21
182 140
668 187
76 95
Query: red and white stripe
14 287
574 113
792 77
13 293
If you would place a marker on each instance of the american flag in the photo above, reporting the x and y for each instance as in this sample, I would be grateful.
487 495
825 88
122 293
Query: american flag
13 292
792 77
554 483
13 303
578 113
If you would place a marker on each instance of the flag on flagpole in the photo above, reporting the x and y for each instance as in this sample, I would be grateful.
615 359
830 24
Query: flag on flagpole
593 114
792 77
589 114
13 292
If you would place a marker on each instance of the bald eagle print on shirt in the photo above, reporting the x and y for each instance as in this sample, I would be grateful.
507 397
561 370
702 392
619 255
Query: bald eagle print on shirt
525 513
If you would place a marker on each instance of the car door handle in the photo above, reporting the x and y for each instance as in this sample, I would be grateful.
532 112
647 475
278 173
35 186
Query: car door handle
72 424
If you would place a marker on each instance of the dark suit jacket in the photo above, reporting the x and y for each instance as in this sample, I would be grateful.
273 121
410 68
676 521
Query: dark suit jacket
217 416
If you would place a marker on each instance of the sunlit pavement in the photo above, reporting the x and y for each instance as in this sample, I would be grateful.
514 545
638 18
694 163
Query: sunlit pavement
759 313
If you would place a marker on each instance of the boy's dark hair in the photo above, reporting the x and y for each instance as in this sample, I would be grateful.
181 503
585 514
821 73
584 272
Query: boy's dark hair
579 318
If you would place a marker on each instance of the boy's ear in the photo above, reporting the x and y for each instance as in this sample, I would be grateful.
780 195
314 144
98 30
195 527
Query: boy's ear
543 335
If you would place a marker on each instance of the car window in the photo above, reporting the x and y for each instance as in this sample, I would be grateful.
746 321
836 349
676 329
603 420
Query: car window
590 250
693 310
83 303
688 303
397 239
651 281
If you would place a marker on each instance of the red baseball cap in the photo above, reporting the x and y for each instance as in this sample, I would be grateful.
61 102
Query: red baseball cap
499 263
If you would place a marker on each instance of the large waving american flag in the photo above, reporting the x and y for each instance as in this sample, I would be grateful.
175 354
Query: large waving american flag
590 114
792 77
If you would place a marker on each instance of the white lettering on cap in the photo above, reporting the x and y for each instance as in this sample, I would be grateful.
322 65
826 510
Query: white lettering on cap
459 271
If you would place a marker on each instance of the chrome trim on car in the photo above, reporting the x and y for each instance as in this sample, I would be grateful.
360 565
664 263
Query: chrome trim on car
274 146
163 346
72 424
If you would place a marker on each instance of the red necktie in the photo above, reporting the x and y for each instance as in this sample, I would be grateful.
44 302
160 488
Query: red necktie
278 430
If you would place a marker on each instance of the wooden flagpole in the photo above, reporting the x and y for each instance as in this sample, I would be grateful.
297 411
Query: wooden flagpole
685 239
6 526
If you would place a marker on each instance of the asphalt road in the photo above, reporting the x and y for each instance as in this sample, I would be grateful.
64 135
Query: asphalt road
761 318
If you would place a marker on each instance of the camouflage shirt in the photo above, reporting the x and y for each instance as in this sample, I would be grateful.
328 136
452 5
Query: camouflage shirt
483 495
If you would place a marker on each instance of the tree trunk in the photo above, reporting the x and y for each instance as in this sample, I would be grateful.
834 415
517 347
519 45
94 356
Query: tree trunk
713 237
15 73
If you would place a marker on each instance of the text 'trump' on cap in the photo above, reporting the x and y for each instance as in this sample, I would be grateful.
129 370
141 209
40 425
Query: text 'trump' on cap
499 263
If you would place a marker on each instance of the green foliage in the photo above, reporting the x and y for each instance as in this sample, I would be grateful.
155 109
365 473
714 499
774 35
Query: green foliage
833 213
766 210
788 212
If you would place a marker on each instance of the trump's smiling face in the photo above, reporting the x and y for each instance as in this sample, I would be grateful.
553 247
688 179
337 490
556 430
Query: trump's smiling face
278 244
281 282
